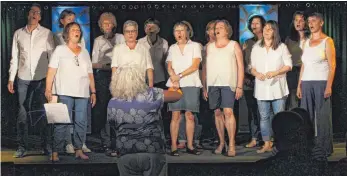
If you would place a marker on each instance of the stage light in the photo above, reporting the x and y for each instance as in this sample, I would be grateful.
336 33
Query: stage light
211 6
116 7
149 6
174 6
220 6
193 6
124 7
308 4
184 6
136 6
156 6
46 7
228 6
202 6
130 7
101 7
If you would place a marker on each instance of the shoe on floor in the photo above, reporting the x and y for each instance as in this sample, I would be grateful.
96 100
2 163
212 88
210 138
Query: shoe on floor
20 153
70 149
85 149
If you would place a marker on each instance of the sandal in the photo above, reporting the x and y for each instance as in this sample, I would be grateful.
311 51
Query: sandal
251 144
231 153
174 153
218 152
194 151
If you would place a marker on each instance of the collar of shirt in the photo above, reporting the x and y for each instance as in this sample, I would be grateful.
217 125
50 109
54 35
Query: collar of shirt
188 42
136 46
27 30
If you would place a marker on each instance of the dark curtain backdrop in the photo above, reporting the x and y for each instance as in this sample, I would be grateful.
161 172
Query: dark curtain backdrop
14 14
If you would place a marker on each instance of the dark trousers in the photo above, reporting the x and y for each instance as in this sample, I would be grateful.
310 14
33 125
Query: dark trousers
37 116
141 164
320 113
292 79
253 114
99 112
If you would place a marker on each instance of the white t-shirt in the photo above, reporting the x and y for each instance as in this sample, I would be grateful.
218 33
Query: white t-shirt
264 61
72 77
123 56
182 61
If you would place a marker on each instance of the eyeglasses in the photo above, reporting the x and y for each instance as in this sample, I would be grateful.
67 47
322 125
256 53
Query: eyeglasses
35 12
76 61
130 31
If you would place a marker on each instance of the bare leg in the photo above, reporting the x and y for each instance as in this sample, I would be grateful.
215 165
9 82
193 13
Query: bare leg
190 129
230 125
174 126
219 120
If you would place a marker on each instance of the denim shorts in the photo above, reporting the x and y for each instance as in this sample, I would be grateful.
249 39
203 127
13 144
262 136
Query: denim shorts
190 100
221 97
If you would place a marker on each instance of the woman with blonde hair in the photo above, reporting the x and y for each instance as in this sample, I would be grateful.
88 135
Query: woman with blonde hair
135 109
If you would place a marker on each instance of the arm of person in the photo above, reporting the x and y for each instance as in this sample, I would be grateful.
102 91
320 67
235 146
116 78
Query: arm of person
240 71
49 82
13 63
196 61
149 68
115 58
171 96
95 55
92 89
331 56
287 60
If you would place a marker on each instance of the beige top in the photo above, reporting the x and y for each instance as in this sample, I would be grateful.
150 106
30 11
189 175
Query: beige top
221 65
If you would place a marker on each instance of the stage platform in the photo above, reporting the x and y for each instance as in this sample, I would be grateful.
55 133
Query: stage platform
99 164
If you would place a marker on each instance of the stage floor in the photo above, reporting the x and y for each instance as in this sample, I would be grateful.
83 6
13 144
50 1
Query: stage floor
244 155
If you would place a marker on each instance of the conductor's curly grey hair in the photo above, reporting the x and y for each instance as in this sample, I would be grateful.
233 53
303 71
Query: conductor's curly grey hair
127 82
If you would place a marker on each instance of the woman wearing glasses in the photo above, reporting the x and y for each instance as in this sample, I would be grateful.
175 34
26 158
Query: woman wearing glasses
71 76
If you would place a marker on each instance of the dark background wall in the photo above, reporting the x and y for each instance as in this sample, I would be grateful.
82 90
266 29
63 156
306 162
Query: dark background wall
14 15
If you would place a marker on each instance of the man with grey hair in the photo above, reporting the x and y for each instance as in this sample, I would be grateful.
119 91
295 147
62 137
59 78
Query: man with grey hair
132 53
101 59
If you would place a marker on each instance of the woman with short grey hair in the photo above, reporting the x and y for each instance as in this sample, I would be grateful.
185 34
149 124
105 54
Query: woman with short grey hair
183 66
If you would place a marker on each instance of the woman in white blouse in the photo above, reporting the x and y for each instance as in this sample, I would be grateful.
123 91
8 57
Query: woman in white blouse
270 61
71 75
183 63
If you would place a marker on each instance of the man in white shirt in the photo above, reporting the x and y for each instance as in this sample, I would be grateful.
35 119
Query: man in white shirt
101 59
158 48
132 53
31 50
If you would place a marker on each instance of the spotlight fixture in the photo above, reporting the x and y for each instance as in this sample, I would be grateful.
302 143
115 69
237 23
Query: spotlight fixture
124 7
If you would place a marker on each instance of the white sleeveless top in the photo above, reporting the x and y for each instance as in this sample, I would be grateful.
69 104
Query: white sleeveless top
316 65
221 65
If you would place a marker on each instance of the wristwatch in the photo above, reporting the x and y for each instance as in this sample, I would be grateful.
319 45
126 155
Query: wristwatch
180 75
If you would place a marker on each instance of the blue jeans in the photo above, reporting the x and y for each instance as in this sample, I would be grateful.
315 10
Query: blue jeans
80 122
36 112
266 116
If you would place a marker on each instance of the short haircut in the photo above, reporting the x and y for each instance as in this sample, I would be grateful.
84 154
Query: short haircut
36 5
227 26
67 29
63 14
107 16
317 15
152 21
188 27
130 23
262 21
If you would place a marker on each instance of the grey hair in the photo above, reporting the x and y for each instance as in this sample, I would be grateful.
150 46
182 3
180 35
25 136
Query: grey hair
187 25
130 23
227 25
127 82
107 16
